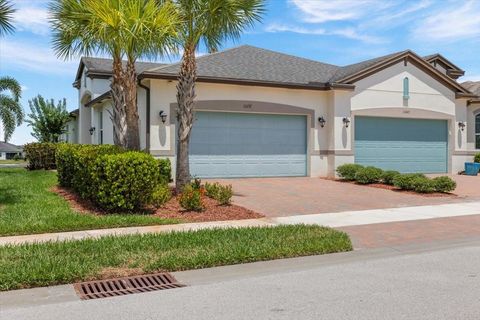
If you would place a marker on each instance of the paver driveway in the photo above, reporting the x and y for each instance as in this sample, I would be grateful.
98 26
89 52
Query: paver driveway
276 197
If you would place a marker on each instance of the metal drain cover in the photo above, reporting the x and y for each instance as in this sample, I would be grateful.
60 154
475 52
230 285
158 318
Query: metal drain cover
127 285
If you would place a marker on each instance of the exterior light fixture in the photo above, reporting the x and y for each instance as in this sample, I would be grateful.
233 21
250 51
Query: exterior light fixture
322 121
91 130
346 122
163 116
461 125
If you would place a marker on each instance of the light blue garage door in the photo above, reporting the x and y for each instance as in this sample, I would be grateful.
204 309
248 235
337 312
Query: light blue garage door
406 145
248 145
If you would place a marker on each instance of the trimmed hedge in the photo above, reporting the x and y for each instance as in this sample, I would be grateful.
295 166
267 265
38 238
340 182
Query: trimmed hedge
40 155
388 176
111 177
406 181
368 175
348 171
444 184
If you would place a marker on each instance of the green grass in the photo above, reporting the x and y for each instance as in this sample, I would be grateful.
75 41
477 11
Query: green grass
33 265
13 162
27 206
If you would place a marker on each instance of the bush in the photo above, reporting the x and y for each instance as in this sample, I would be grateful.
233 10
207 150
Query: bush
477 157
17 157
444 184
122 181
368 175
40 155
348 171
74 164
388 176
212 189
223 194
161 195
422 185
196 184
405 181
191 199
165 168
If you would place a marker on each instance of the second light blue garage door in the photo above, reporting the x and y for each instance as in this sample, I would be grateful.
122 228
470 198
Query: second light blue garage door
227 145
405 145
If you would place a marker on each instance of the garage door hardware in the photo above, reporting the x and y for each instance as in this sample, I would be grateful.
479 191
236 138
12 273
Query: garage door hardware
127 285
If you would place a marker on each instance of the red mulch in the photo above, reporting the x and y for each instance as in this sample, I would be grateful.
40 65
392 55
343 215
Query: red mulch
393 188
212 212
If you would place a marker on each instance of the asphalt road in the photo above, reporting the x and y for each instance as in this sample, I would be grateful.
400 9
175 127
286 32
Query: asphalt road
438 284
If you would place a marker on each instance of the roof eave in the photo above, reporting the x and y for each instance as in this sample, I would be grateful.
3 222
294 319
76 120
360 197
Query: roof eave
101 98
248 82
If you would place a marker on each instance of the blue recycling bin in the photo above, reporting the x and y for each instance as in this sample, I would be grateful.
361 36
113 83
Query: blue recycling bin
472 168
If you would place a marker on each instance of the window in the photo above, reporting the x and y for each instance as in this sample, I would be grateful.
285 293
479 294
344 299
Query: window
100 126
477 131
406 89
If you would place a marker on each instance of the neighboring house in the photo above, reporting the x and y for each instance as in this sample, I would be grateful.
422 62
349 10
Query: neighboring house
71 128
264 113
8 151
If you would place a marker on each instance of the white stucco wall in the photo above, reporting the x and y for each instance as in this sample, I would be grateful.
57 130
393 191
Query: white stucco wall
70 135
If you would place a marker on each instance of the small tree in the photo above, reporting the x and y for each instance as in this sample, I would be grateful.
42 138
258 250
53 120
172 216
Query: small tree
48 120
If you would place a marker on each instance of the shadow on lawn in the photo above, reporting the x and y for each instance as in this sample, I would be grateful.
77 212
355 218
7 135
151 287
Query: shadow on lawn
9 196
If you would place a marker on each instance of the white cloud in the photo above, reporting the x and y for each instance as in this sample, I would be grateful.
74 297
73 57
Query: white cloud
349 33
24 88
319 11
32 19
451 22
31 57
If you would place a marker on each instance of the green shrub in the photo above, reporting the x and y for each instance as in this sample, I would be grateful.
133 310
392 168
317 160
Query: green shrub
191 199
348 171
444 184
477 157
123 181
161 195
17 157
368 175
40 155
388 176
405 181
165 168
223 194
196 183
422 185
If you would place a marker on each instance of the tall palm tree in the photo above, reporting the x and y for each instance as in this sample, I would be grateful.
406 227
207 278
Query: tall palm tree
6 17
122 29
209 22
11 112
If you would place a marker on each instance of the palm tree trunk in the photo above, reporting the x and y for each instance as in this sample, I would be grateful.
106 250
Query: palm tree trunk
133 134
185 113
118 115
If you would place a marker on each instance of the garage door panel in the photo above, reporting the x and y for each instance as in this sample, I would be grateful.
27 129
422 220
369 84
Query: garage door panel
248 145
406 145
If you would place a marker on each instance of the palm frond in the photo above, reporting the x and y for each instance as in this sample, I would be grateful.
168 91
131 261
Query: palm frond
6 17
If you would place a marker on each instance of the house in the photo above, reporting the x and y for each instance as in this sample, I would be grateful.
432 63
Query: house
71 128
265 113
8 151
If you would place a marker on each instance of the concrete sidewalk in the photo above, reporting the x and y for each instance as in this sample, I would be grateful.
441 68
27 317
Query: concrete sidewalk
336 219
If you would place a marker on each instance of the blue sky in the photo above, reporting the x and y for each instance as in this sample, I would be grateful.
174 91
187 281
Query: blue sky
333 31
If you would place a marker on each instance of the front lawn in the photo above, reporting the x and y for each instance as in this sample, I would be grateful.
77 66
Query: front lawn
13 161
33 265
27 206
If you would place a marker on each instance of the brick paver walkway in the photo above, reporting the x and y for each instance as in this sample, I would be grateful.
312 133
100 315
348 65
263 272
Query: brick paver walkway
279 197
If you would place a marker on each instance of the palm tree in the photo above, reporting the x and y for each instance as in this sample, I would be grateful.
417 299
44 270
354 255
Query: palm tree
6 17
11 112
210 22
122 29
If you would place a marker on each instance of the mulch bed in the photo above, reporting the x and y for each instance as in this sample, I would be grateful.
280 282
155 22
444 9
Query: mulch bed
171 210
393 188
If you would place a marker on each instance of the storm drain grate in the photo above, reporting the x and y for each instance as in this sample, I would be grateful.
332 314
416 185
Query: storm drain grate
128 285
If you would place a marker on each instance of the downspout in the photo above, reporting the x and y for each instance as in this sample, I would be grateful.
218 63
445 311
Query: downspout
147 120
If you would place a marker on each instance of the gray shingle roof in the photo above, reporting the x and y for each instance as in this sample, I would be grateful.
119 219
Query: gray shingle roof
351 69
472 86
8 147
103 65
252 63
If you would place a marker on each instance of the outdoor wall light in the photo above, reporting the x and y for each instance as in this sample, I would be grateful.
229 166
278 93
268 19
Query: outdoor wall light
163 116
91 130
461 125
346 122
322 121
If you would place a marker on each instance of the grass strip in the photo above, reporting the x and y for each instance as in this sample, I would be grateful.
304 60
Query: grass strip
27 206
33 265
